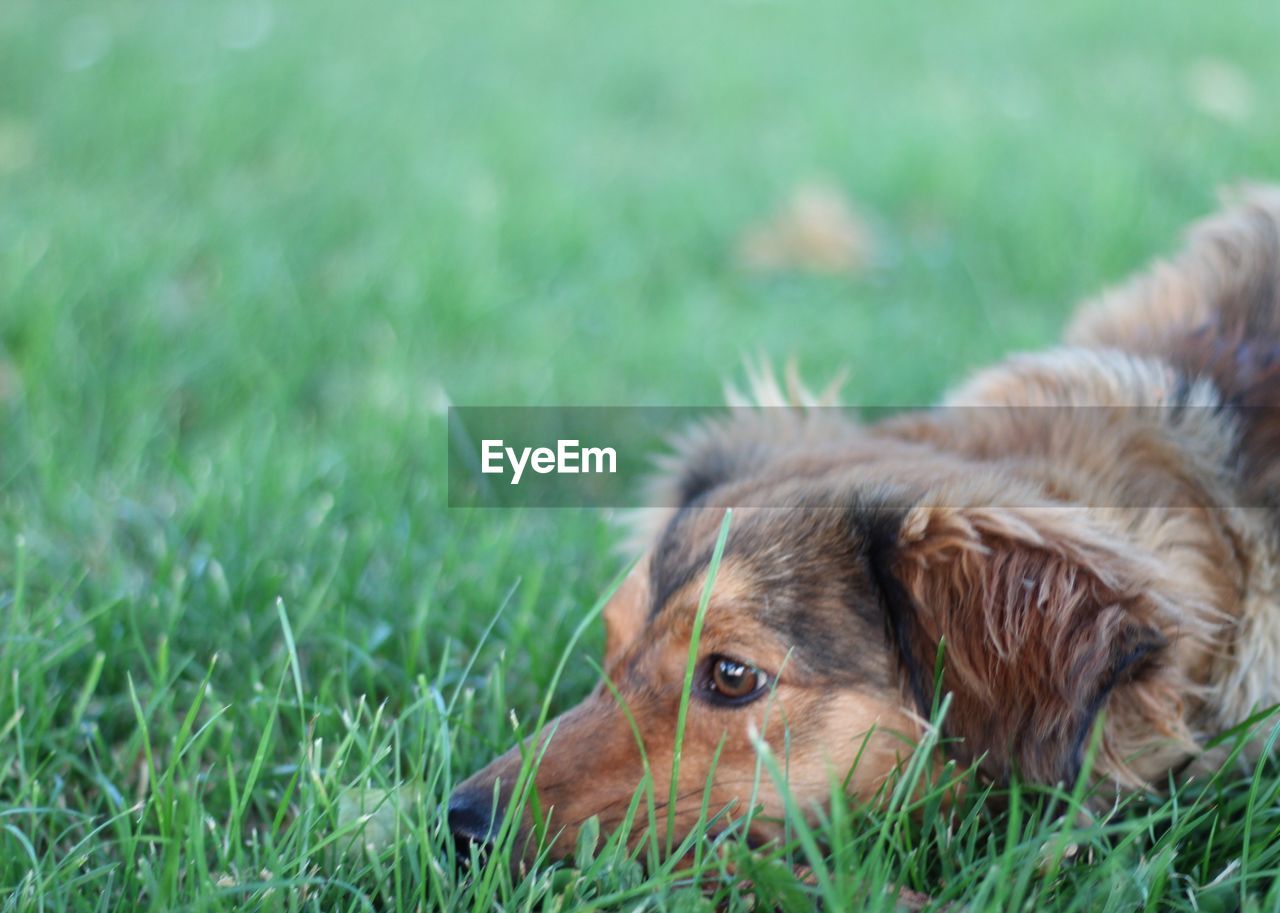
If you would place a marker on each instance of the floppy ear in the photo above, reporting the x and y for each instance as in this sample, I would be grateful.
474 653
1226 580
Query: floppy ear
625 613
718 452
772 418
1043 616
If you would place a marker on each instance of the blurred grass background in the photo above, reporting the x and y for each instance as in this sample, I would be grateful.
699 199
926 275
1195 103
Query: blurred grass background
250 250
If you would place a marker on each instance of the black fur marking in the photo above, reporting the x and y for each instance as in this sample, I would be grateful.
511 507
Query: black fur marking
713 466
881 529
670 569
711 470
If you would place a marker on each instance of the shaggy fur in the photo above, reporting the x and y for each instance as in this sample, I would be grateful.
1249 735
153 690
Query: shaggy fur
1091 530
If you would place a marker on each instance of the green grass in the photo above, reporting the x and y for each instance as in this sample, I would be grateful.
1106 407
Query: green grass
249 250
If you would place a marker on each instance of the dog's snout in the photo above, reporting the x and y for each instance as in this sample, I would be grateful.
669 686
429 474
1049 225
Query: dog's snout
471 818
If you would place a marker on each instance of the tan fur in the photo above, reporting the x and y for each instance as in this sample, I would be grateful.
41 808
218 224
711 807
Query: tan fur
1087 530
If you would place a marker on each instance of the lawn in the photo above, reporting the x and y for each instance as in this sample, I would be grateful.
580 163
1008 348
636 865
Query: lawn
249 251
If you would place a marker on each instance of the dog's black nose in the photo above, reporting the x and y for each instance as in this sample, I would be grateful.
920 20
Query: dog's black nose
471 819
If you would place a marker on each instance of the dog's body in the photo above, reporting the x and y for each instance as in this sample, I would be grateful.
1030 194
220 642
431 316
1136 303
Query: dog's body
1096 528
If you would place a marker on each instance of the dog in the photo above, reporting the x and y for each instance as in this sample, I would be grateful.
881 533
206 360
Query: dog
1091 533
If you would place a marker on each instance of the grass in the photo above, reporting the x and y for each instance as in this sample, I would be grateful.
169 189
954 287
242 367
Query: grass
249 250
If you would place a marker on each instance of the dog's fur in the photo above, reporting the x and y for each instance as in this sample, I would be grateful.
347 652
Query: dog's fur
1089 530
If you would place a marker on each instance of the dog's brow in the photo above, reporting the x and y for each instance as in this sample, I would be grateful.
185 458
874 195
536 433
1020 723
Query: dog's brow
678 558
671 570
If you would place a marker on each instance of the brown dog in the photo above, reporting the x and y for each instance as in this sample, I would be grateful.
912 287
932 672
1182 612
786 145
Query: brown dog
1089 529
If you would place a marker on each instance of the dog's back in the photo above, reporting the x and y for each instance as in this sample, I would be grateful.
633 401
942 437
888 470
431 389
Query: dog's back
1213 313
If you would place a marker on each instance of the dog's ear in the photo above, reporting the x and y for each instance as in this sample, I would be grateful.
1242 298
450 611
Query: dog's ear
772 418
733 447
625 613
714 453
719 451
1042 617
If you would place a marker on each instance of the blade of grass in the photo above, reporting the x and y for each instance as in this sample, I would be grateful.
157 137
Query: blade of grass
686 687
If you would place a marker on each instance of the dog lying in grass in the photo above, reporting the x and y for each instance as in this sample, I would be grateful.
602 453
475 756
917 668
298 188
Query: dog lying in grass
1087 533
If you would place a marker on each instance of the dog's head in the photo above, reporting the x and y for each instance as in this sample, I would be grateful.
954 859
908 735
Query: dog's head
820 639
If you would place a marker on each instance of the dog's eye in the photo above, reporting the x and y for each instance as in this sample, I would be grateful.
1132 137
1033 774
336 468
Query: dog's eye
735 682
